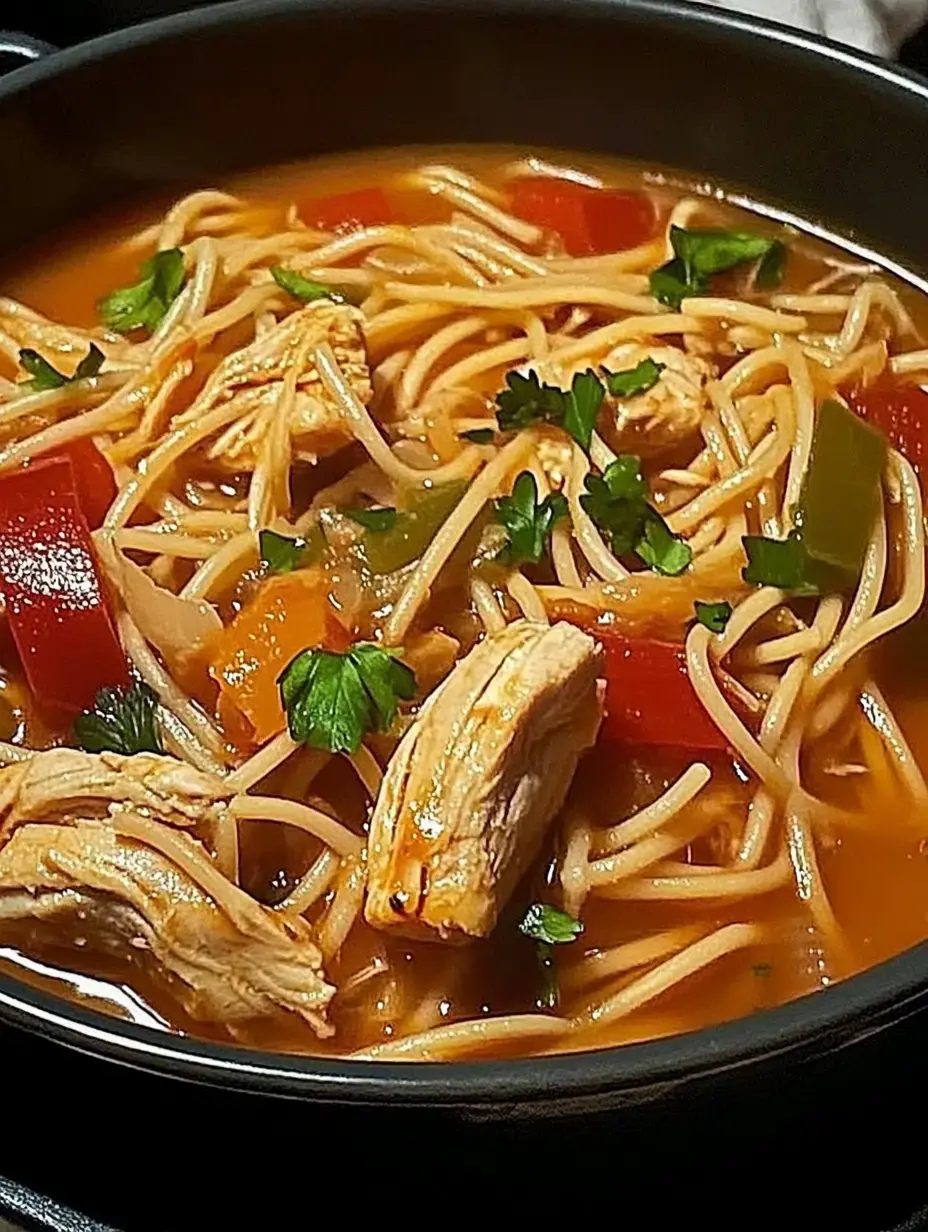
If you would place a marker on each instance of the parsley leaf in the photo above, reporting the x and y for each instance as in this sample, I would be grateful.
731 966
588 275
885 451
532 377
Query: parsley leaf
701 252
331 699
122 720
548 927
783 563
373 519
547 924
617 501
772 267
528 524
280 554
526 401
478 436
633 381
142 305
44 376
714 616
582 407
662 550
304 288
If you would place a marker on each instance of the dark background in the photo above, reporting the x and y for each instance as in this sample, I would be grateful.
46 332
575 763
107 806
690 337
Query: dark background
838 1144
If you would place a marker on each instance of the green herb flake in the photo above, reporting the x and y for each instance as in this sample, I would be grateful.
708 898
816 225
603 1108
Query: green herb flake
280 554
528 523
122 720
772 267
783 563
548 927
526 401
763 971
44 376
617 501
701 252
305 289
634 381
144 304
478 436
332 700
662 550
714 616
375 519
547 924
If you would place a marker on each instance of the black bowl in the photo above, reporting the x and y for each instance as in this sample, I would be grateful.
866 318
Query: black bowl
803 126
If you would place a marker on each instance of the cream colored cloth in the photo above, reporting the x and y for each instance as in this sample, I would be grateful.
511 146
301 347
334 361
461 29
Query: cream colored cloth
877 26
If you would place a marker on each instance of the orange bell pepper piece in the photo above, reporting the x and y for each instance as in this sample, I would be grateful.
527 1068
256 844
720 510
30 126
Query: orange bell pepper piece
290 613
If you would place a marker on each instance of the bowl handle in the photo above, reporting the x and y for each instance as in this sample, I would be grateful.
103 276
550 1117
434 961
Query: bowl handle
17 50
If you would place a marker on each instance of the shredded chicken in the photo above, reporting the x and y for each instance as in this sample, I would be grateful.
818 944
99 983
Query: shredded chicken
668 412
477 779
121 896
65 783
253 378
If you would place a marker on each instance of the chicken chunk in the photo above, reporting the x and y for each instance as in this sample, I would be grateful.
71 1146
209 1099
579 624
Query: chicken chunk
253 377
226 959
65 783
667 413
475 782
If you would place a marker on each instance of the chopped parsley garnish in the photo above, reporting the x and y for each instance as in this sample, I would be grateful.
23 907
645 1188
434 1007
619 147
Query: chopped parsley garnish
528 523
331 700
122 720
280 554
548 927
142 305
526 401
305 289
617 501
714 616
376 519
44 376
478 436
783 563
701 252
634 381
763 971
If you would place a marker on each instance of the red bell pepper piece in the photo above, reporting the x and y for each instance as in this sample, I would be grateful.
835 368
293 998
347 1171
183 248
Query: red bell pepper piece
54 597
366 207
649 698
588 220
94 480
900 410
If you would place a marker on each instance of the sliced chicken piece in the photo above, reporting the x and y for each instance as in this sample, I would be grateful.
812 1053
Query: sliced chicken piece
64 783
253 378
468 796
226 962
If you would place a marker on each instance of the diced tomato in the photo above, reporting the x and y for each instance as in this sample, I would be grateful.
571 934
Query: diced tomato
289 613
588 220
649 698
900 410
51 585
367 207
93 478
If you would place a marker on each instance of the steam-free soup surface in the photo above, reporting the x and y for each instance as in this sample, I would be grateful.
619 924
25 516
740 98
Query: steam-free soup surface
284 466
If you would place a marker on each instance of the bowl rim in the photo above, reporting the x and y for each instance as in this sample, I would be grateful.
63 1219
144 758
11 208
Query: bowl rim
848 1010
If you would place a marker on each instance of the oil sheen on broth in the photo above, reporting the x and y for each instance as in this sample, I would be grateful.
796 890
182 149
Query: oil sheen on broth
646 440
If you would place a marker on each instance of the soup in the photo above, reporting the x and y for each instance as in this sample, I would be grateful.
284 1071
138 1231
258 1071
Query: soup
458 604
